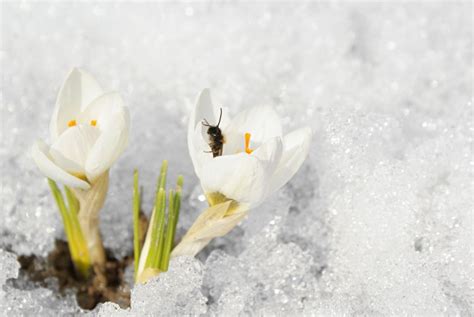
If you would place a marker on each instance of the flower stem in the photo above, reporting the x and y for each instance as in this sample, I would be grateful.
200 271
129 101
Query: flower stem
76 242
217 220
90 204
136 221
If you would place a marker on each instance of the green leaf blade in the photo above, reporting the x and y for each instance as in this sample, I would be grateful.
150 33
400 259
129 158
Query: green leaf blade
169 235
136 221
76 242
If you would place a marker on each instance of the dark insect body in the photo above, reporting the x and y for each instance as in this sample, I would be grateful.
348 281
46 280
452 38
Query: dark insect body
216 138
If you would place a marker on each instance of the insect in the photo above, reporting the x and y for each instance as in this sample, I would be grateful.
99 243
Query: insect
216 137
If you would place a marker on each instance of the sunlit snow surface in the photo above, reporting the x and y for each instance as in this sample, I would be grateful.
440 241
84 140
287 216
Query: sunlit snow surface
377 221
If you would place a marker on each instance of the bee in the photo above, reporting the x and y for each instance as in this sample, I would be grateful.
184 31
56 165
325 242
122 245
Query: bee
216 137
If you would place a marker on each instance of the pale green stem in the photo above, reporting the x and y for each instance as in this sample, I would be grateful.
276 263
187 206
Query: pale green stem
76 241
90 203
216 221
136 221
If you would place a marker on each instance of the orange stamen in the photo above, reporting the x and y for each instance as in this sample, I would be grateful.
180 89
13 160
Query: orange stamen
247 143
93 123
71 123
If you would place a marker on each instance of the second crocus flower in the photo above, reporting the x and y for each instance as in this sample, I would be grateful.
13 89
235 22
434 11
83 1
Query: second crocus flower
239 165
257 159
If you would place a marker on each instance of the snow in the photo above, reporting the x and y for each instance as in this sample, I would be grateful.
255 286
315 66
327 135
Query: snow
181 287
19 297
378 220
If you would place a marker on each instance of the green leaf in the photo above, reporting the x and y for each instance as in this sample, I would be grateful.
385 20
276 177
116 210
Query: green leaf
72 200
169 235
158 224
179 183
173 216
162 178
76 242
177 198
157 227
161 232
162 228
136 221
82 250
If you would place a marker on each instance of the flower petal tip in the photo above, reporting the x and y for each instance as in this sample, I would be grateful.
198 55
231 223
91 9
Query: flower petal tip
48 168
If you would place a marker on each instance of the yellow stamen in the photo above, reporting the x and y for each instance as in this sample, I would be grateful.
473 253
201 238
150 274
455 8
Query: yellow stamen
71 123
93 123
247 143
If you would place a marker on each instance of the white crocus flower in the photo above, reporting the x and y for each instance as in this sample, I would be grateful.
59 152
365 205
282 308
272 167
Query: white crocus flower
88 131
255 160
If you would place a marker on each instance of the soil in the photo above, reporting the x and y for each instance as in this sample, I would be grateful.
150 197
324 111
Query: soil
100 287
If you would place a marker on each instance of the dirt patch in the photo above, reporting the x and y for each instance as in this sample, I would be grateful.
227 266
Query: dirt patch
100 287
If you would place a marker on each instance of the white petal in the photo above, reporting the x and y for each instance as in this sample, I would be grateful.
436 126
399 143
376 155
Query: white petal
109 146
240 177
101 110
269 153
71 149
198 150
262 123
295 149
77 91
49 169
204 109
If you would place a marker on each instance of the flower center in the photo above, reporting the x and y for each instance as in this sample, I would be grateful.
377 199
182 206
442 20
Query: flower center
81 176
247 143
72 123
